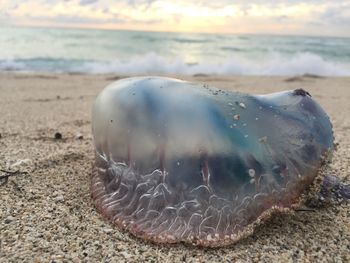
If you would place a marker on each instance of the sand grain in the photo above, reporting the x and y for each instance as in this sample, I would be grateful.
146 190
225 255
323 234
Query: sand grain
46 214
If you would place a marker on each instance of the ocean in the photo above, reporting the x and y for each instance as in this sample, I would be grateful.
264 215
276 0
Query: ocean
134 52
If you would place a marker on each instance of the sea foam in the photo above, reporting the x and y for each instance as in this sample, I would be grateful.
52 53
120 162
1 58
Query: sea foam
301 63
135 52
152 63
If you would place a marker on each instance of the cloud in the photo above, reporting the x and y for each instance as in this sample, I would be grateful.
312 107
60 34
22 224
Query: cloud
87 2
255 16
338 15
4 15
69 19
134 2
76 20
282 19
146 4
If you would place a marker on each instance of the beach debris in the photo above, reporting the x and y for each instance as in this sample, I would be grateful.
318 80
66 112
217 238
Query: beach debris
59 199
9 219
125 254
197 180
197 75
294 79
58 136
312 76
333 189
300 78
114 78
108 230
21 162
4 178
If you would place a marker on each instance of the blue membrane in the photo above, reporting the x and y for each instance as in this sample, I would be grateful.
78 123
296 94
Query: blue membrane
177 161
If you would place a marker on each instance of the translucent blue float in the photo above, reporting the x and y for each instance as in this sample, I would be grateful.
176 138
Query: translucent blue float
183 162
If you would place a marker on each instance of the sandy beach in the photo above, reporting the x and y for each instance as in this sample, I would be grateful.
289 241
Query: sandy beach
46 211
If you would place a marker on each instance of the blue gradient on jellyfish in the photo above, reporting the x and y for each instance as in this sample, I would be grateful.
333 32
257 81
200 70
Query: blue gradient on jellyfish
184 162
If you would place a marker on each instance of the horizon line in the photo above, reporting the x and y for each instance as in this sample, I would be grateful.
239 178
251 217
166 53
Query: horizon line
164 31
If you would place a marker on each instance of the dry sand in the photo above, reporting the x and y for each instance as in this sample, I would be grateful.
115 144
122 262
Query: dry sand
46 214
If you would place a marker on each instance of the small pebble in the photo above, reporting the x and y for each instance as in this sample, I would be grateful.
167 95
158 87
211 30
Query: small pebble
125 254
21 162
9 219
108 230
58 136
79 136
59 199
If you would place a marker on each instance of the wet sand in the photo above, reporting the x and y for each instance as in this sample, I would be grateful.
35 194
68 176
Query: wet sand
46 212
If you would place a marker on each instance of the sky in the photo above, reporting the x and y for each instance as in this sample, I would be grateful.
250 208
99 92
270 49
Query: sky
314 17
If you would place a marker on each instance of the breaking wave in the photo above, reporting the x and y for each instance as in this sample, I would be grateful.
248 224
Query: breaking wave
274 64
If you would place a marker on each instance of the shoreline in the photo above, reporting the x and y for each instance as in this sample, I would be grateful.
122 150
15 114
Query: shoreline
47 212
